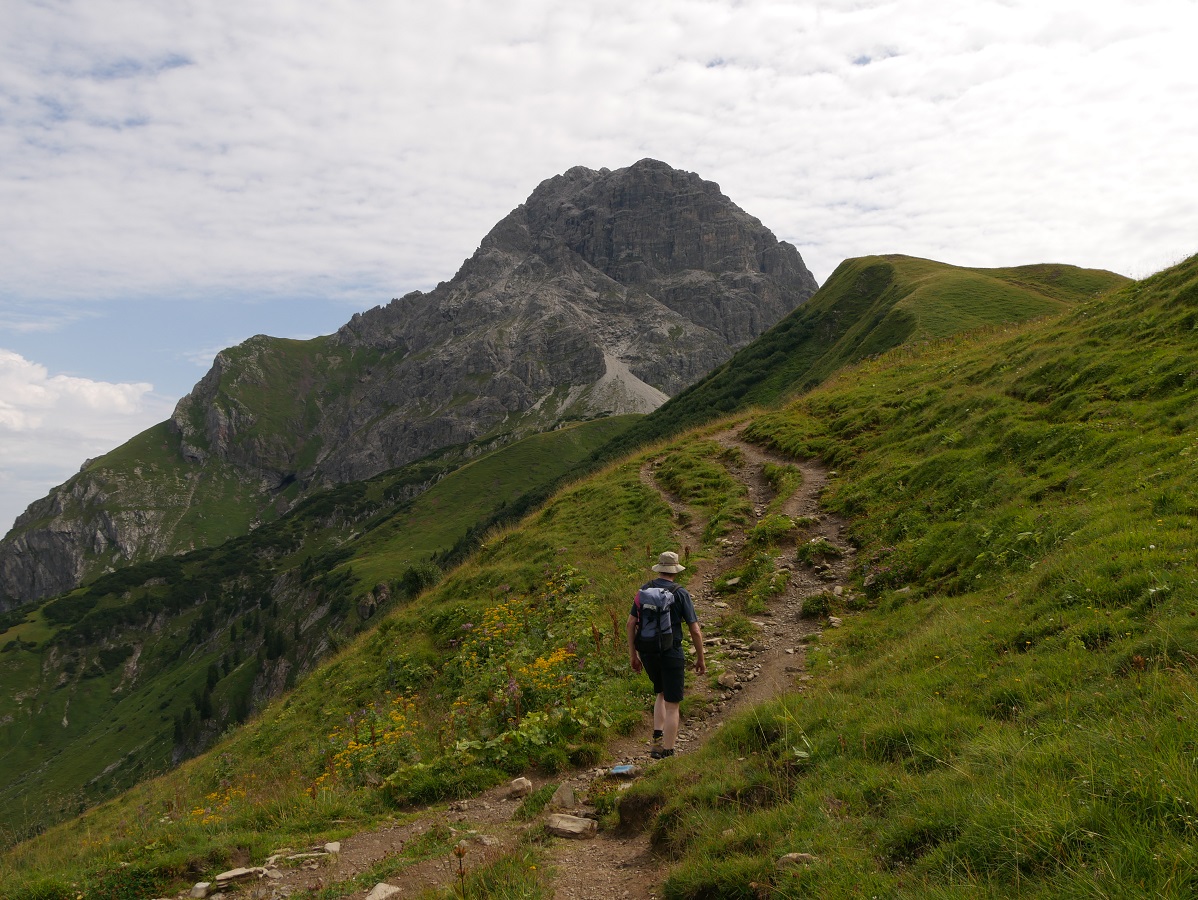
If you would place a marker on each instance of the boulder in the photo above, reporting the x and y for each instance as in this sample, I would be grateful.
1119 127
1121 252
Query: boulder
563 797
562 825
382 891
239 874
520 787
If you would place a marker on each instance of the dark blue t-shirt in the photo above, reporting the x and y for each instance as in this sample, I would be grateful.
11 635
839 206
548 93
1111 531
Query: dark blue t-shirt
682 607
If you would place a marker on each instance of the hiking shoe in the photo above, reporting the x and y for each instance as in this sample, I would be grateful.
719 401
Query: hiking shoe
658 753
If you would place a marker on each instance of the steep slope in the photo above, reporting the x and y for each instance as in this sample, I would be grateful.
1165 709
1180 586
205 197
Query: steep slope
1008 707
605 292
867 306
149 664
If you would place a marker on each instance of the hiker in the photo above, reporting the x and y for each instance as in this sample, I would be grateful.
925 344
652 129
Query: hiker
655 644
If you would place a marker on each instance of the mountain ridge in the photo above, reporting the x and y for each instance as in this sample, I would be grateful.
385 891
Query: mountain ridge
594 266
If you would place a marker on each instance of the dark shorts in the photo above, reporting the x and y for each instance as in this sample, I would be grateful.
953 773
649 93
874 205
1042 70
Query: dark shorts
667 671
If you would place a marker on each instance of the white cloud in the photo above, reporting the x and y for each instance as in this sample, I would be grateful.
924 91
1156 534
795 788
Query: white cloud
195 150
193 147
49 424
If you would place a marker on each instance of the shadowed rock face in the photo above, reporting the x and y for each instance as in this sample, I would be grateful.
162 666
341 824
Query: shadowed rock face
604 293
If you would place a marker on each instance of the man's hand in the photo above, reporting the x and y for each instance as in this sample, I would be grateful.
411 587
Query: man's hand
634 658
697 642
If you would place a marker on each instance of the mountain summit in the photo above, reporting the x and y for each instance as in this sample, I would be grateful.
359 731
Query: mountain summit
605 292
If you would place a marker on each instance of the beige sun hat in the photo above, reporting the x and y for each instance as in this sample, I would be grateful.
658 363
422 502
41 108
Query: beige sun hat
668 562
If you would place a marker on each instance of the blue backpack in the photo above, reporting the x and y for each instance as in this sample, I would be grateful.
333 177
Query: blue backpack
654 621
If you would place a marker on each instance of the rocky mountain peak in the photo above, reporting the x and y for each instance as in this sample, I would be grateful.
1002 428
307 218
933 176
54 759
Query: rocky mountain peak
605 292
649 221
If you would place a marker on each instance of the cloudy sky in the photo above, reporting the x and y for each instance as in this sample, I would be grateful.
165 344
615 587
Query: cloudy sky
177 176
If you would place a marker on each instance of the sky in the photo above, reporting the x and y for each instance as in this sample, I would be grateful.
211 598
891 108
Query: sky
178 176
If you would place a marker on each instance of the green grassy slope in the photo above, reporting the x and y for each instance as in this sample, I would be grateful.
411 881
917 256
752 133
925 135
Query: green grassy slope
867 306
541 607
1010 708
1008 711
272 392
107 685
452 509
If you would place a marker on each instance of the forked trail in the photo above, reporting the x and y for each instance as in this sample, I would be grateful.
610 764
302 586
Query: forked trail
611 866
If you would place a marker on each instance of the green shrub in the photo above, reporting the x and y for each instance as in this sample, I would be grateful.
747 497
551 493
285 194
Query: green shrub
817 606
551 760
425 783
419 577
532 805
817 550
772 531
43 889
586 755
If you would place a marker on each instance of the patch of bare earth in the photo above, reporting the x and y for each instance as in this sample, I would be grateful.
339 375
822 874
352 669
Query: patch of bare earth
613 866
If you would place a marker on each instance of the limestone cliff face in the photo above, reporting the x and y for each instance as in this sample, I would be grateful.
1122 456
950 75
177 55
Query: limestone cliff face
604 293
75 531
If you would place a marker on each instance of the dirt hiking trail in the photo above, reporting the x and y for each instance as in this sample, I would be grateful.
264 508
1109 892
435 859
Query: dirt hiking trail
613 866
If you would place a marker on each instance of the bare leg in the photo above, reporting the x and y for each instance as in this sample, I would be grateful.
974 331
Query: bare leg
671 720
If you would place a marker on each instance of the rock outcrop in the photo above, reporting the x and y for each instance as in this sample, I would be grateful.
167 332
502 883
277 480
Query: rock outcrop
604 293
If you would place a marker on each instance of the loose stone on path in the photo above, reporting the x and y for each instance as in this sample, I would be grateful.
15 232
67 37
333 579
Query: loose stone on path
562 825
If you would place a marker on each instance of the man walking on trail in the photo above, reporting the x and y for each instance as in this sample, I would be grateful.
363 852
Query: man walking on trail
655 644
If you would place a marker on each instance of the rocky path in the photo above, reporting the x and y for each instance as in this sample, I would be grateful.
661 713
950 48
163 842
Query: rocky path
608 866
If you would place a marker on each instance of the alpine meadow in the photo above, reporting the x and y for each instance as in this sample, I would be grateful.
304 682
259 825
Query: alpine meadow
997 698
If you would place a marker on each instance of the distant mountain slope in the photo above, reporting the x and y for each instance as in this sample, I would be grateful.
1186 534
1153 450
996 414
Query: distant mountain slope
605 292
147 665
870 305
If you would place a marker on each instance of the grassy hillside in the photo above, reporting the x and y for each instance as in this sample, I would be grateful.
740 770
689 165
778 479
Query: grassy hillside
541 607
868 306
1007 711
1012 711
118 680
